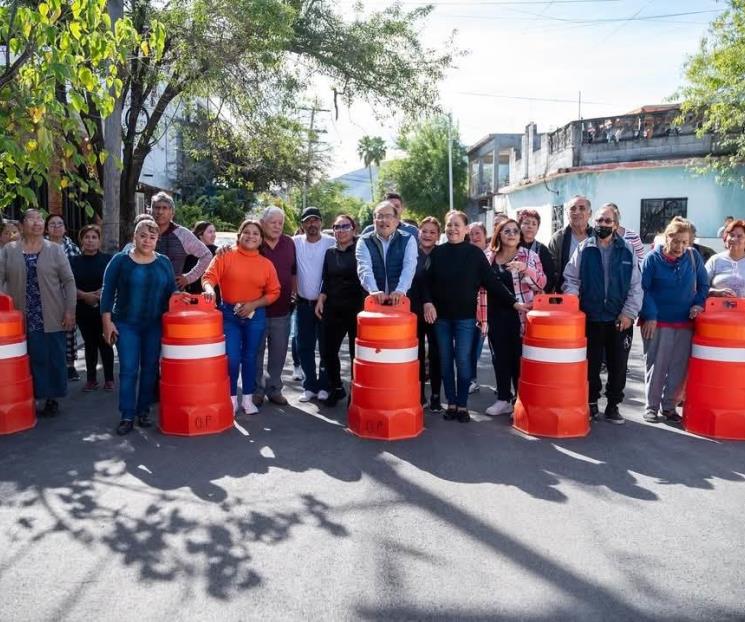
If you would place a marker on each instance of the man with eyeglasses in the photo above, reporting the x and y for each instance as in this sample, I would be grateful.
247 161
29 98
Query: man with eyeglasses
604 273
394 198
565 241
386 256
310 250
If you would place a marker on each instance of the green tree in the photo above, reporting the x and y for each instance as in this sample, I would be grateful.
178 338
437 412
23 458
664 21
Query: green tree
59 72
714 89
256 58
422 176
329 197
371 150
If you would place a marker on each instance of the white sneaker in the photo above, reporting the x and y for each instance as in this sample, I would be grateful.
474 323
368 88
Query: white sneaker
474 387
248 405
500 407
306 396
323 395
234 401
297 373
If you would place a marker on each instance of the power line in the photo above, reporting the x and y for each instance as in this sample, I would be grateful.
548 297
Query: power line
507 2
532 99
572 20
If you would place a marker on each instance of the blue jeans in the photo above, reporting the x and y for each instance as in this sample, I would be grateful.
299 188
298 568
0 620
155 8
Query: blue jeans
242 339
455 339
477 345
309 333
46 352
138 347
293 339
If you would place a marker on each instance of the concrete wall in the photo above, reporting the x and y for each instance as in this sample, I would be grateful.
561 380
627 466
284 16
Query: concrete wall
708 202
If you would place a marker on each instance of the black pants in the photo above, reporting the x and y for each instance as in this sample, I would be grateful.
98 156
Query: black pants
506 348
89 322
605 337
337 322
432 352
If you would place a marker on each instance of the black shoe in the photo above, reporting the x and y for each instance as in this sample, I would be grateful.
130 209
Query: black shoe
671 416
434 404
612 415
125 427
334 396
144 421
594 411
450 414
72 374
463 415
51 409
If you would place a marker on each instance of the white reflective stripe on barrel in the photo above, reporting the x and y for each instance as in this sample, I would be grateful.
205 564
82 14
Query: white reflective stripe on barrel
12 350
386 355
722 355
203 351
554 355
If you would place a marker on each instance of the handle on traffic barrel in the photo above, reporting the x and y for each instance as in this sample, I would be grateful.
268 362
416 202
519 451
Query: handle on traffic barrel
6 303
181 301
548 302
717 303
372 304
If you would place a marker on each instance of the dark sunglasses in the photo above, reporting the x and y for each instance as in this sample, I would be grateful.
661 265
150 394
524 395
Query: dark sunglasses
511 231
343 227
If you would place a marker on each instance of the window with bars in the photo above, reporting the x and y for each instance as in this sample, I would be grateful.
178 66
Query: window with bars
557 218
657 213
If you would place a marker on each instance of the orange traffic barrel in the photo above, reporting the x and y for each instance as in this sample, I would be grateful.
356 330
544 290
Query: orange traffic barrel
384 401
552 395
715 394
194 383
17 406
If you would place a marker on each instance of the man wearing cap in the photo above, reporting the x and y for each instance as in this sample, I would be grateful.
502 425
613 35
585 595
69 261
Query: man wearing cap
386 256
310 249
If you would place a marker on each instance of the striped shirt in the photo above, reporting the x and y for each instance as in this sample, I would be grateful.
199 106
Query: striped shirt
137 293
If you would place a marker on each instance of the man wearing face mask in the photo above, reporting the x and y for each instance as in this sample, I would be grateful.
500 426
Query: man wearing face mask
604 273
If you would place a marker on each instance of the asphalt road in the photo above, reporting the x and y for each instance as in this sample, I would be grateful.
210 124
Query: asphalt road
288 517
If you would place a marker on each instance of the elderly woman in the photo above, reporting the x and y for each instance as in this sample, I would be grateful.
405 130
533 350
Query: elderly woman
520 271
339 302
88 269
429 353
726 270
137 285
530 221
36 274
248 283
675 286
8 232
457 269
56 231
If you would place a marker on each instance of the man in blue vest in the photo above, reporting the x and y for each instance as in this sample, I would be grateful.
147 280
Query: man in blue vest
398 205
604 273
386 256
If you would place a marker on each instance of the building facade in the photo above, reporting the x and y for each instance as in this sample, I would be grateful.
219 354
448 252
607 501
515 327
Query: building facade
649 162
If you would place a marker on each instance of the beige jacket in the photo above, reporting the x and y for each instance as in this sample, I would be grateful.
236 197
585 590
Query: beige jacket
56 282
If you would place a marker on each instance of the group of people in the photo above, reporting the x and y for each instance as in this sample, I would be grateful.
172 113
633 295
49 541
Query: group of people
465 287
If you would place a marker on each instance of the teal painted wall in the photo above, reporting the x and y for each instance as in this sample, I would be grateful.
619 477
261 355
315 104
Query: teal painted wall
708 201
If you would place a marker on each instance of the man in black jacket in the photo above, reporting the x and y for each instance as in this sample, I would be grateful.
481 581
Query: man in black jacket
565 241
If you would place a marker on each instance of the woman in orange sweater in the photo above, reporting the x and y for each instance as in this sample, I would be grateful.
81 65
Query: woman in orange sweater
248 283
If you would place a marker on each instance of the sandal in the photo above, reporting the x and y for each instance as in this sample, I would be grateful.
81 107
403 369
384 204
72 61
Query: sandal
124 427
463 415
451 413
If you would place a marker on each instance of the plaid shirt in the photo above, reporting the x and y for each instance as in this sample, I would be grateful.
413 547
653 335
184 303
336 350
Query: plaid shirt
530 282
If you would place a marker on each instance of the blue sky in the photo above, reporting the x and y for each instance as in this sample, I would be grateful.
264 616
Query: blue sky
620 54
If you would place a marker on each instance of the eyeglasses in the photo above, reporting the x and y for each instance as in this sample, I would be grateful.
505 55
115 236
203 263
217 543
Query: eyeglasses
511 231
56 225
384 216
342 227
604 221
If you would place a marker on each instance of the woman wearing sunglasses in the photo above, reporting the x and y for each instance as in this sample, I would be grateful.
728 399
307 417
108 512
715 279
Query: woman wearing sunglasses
339 302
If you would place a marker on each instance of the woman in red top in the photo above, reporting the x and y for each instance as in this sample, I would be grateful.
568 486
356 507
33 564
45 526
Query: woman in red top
248 283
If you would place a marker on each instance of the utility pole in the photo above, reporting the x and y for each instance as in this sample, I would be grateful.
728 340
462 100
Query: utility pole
311 140
112 132
579 106
450 158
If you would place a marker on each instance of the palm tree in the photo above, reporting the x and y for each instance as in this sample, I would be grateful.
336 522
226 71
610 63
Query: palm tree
371 150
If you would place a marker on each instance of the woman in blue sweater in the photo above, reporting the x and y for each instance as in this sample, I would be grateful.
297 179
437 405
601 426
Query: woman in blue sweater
136 287
675 286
